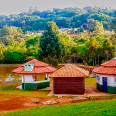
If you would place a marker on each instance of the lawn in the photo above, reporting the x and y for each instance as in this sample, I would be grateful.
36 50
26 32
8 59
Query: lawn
11 90
89 108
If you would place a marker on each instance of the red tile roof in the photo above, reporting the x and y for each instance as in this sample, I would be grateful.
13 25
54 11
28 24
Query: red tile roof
39 68
108 68
70 70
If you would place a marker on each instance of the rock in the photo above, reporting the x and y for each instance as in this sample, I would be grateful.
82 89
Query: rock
44 103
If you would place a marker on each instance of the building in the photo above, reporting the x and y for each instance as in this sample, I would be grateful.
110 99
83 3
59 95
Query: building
29 71
69 80
106 76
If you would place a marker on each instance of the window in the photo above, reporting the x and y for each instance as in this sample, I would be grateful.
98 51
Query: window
115 79
98 78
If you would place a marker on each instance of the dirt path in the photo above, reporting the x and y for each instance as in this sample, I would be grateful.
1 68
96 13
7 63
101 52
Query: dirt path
9 83
14 103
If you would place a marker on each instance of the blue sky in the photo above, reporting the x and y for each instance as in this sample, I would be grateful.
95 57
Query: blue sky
15 6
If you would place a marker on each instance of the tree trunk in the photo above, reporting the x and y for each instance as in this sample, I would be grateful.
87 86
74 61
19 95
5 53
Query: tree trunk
93 61
107 56
98 59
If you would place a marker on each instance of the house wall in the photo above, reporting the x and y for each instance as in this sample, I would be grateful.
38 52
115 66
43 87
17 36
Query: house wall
27 78
69 85
29 83
111 84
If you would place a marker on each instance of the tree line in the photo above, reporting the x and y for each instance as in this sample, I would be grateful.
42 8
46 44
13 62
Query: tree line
34 20
54 47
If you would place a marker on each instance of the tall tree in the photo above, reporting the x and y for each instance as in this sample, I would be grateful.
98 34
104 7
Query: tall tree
98 28
49 42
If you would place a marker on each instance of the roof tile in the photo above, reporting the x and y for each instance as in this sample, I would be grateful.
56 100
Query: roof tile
39 68
70 70
108 68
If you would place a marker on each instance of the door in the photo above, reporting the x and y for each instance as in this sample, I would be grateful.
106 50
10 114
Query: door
104 84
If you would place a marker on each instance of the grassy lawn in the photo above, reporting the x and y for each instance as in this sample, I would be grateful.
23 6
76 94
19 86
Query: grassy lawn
93 108
11 90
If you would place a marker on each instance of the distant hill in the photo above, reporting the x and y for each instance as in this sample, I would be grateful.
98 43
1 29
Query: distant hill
34 20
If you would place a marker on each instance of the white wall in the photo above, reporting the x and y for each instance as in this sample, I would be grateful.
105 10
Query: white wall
110 80
27 78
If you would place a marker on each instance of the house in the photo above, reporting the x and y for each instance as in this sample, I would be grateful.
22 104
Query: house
29 71
106 76
69 80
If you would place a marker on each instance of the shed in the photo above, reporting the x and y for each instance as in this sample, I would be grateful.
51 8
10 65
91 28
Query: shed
28 72
106 76
69 80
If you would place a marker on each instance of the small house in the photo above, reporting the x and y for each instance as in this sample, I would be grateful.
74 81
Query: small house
106 76
29 71
69 80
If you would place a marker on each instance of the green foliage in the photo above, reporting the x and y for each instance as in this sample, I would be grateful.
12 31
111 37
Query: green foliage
64 18
51 60
49 42
12 57
114 24
98 28
11 32
30 58
67 42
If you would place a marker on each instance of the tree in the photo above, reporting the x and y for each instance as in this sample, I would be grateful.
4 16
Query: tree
91 24
2 49
13 57
67 42
49 42
98 28
114 24
108 47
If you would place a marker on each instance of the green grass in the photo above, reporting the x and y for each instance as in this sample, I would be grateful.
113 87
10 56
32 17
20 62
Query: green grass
94 108
90 81
11 89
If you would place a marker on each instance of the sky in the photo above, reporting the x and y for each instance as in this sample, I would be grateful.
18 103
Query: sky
8 7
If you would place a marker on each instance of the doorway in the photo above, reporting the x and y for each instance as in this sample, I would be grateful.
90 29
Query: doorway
104 84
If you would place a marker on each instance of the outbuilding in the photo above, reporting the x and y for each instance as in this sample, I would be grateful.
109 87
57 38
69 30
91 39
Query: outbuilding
29 71
69 80
106 76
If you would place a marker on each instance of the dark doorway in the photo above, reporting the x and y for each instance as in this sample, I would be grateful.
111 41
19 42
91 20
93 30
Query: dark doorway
104 84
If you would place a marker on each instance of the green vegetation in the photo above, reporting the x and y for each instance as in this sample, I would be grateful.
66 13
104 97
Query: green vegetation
11 90
20 44
34 20
93 108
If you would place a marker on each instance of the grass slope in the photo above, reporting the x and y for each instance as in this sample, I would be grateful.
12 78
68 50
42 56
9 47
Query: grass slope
11 90
94 108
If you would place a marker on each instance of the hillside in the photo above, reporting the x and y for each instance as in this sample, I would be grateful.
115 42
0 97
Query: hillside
34 20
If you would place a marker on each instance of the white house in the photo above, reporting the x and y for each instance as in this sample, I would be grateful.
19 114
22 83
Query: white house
29 71
106 76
